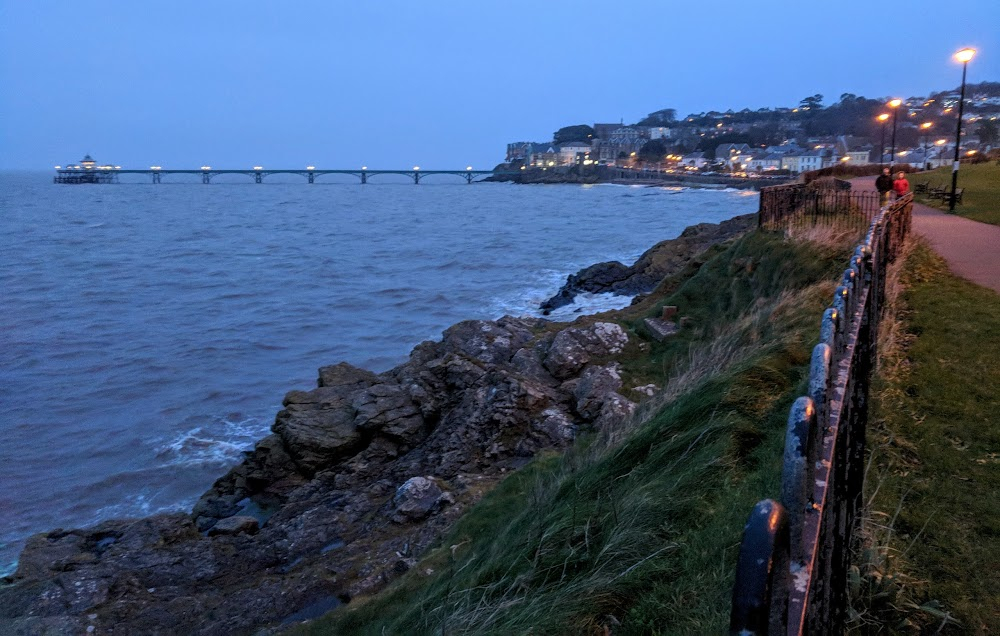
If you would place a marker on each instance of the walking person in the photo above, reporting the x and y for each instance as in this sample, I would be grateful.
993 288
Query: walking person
884 186
900 186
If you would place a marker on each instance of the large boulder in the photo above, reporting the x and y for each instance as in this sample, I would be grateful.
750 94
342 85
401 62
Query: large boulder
574 348
417 498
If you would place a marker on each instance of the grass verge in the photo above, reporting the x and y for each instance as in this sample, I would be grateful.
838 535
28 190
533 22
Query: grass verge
932 563
981 182
635 530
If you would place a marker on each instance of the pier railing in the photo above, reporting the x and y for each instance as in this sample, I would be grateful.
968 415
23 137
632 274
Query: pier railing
791 576
828 203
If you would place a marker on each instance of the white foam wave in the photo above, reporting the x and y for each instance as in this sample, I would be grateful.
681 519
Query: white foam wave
223 442
588 303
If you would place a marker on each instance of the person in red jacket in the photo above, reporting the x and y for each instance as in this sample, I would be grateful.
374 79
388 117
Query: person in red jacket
900 186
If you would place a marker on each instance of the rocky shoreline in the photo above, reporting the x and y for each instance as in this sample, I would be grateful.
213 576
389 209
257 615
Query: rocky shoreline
359 476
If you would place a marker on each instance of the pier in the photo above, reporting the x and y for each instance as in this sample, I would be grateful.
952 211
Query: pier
87 172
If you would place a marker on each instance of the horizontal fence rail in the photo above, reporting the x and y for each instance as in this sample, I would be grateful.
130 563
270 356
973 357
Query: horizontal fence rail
791 575
828 204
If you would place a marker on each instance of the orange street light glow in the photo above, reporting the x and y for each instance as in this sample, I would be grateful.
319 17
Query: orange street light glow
965 55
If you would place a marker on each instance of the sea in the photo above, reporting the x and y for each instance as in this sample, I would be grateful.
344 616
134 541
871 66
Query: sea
148 333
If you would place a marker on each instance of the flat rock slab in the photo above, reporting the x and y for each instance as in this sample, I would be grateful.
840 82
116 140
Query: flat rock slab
661 329
235 525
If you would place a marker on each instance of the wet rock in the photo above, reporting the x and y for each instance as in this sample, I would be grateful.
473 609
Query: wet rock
345 375
235 525
664 259
416 498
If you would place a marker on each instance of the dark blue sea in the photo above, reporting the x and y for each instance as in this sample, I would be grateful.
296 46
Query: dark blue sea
148 333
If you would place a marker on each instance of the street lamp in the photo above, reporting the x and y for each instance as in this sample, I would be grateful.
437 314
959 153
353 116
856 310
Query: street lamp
924 127
881 148
962 56
894 105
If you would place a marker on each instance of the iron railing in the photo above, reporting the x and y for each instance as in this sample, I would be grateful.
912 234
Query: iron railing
828 203
791 576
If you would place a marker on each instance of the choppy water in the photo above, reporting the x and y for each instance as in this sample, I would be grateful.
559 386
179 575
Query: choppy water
148 333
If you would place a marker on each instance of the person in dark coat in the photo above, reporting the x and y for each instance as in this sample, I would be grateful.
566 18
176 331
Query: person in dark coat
884 186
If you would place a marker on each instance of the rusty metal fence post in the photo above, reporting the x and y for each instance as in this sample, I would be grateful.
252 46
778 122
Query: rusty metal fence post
812 530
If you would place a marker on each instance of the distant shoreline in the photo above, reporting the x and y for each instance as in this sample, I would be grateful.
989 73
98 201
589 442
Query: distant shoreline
625 176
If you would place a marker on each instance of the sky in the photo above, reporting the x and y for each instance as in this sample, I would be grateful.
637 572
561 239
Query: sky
438 83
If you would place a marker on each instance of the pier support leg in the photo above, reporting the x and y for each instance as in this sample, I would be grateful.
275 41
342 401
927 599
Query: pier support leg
468 179
258 177
205 178
364 178
416 178
312 178
156 177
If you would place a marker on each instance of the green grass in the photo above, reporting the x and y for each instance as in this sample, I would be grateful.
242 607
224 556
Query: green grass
980 199
936 452
636 529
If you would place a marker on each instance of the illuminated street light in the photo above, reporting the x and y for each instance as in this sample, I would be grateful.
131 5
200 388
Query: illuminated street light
206 167
468 167
364 167
924 127
894 104
881 148
416 167
310 167
962 56
154 167
258 168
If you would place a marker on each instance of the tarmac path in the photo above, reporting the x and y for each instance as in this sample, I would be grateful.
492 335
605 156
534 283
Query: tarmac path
971 248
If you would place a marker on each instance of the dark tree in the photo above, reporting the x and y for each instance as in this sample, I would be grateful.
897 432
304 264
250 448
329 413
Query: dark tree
663 117
653 151
988 132
813 103
580 132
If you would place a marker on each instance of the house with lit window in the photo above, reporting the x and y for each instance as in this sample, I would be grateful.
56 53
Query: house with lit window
573 152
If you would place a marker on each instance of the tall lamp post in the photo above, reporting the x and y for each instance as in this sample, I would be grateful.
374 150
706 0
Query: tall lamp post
940 144
894 105
924 127
881 148
962 56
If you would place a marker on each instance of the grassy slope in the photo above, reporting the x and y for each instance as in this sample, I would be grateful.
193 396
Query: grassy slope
637 528
936 448
982 190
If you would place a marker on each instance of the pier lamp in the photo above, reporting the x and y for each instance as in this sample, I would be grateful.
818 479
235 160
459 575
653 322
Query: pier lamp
416 167
894 104
310 167
118 167
154 167
364 167
58 167
468 167
206 167
884 117
924 127
258 167
962 56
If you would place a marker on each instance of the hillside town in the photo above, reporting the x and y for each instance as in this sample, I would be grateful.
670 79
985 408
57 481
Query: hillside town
854 131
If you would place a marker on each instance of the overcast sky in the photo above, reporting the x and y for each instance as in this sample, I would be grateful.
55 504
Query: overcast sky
441 84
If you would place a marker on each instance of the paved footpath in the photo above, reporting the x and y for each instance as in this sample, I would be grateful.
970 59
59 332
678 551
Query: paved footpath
971 248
